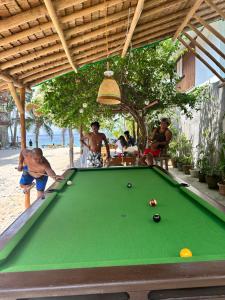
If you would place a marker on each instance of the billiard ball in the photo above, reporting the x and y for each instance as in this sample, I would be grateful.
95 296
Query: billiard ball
156 218
152 202
129 185
69 182
185 252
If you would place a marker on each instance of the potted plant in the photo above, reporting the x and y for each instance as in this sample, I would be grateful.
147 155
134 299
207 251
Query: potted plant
221 184
202 164
194 172
213 177
187 164
180 163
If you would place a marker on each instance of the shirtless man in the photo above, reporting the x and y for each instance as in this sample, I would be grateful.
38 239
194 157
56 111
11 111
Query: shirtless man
35 166
94 145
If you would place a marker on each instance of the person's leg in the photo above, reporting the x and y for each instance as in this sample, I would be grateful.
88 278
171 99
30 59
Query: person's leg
40 185
26 180
149 159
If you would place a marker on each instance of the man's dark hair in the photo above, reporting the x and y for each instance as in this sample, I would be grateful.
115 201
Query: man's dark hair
165 120
127 132
95 124
37 151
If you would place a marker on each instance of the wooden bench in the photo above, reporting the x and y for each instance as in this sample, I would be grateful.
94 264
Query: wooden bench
122 161
162 159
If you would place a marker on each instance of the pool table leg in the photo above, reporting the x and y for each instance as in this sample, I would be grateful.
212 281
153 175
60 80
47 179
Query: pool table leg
139 295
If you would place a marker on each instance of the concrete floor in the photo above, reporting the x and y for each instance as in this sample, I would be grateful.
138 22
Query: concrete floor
202 187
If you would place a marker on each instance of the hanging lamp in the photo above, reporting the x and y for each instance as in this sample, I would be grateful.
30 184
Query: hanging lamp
109 91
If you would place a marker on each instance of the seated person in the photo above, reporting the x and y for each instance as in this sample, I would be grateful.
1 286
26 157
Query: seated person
129 139
161 137
35 167
121 145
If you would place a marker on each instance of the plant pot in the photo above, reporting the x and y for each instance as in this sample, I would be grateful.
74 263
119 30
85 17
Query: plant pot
212 181
194 173
221 186
201 177
180 166
186 169
174 163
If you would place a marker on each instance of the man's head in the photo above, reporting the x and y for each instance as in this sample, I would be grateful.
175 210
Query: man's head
37 155
95 127
164 123
127 134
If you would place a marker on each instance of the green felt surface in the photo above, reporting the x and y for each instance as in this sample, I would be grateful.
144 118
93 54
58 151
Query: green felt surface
98 221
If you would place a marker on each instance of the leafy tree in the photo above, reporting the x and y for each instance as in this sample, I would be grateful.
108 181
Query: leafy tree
144 75
38 123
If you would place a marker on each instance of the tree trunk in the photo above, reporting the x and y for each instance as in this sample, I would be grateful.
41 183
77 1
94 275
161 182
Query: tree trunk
71 148
63 136
133 130
15 128
37 131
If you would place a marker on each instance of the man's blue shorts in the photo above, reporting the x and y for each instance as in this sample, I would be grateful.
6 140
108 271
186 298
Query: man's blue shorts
27 179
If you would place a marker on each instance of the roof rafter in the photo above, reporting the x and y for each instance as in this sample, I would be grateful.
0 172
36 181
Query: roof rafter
216 8
201 59
190 14
137 14
58 28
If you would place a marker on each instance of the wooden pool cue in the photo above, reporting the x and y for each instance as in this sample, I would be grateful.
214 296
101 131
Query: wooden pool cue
27 195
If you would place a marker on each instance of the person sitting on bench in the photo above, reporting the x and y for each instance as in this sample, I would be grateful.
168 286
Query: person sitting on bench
160 139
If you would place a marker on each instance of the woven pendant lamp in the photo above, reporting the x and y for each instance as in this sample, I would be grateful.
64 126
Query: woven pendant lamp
109 91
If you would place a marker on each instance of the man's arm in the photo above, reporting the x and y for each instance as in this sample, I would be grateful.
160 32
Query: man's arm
83 138
23 154
50 172
106 145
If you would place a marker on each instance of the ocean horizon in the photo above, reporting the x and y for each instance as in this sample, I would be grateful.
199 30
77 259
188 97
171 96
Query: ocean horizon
45 140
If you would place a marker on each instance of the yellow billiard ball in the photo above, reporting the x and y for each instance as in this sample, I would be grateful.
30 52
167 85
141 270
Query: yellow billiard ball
185 252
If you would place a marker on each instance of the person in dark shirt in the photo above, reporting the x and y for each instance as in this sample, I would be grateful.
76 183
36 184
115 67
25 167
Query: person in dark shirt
130 140
160 138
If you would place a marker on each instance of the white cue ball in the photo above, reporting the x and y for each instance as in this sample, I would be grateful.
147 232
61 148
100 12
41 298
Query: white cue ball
69 182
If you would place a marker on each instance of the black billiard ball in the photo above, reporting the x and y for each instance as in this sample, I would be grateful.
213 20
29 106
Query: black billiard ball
129 185
156 218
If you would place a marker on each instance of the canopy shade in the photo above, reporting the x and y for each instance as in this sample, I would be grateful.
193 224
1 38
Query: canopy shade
41 40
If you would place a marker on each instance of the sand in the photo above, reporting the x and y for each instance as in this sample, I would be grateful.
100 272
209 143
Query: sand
11 195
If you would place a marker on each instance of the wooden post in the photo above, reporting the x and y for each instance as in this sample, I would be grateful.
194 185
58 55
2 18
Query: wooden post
22 119
71 147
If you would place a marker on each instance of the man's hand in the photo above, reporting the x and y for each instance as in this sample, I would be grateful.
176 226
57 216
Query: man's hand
20 168
58 177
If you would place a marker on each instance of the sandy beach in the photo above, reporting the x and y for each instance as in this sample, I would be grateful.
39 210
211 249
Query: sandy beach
11 195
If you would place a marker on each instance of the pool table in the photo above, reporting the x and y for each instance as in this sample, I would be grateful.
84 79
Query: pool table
97 237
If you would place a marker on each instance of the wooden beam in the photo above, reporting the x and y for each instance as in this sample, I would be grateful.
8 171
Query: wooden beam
216 8
72 31
143 29
190 14
40 11
22 119
201 59
58 28
210 28
5 77
133 25
15 97
205 51
204 38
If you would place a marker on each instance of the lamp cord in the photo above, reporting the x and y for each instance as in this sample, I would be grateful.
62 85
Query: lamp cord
106 35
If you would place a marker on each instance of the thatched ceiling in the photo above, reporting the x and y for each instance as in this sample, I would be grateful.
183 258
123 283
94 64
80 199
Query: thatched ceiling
33 49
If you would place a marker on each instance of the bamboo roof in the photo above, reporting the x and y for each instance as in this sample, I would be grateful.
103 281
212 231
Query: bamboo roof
42 39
